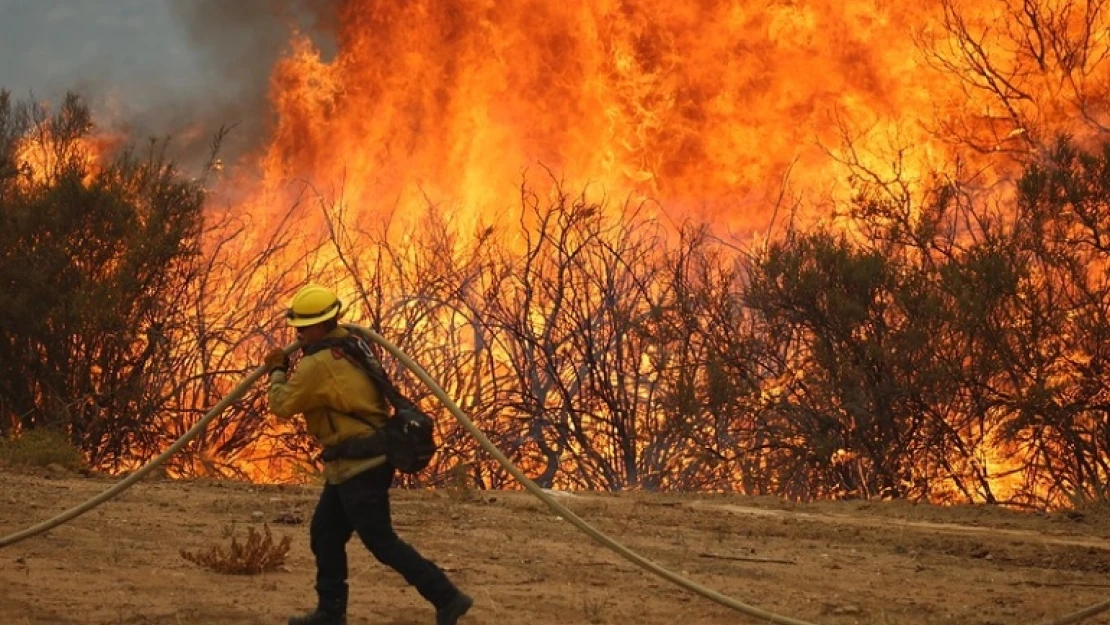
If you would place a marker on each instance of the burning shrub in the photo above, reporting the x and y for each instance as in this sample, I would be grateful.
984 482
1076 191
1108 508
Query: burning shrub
258 555
95 254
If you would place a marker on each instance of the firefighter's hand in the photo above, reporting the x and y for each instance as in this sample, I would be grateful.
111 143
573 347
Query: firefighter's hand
276 360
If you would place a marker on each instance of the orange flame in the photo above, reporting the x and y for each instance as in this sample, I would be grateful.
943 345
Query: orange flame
702 106
39 157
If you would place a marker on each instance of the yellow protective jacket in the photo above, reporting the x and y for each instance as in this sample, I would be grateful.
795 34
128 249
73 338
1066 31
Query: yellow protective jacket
338 402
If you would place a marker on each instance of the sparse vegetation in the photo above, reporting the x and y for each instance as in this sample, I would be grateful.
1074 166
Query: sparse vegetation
258 554
459 487
592 609
39 448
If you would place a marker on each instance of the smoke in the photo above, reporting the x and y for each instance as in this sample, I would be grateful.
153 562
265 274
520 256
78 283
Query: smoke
236 45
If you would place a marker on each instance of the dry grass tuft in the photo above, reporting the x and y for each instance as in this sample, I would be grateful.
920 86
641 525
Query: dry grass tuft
459 486
257 555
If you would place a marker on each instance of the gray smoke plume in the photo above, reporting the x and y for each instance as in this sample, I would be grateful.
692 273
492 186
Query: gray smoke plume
158 68
237 44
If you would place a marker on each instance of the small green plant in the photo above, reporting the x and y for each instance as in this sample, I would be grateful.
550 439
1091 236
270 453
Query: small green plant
257 555
41 447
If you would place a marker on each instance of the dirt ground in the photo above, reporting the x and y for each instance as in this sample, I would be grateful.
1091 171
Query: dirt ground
835 563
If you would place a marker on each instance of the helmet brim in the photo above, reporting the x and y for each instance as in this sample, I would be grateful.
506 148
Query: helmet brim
304 322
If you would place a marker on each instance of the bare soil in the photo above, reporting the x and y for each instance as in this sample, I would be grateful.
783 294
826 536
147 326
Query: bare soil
834 563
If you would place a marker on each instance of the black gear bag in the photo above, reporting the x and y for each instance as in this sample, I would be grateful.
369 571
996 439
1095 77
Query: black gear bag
407 439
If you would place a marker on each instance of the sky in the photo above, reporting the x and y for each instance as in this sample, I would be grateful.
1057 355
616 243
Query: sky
151 68
104 47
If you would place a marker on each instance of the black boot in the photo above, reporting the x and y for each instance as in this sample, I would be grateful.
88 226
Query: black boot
453 611
319 617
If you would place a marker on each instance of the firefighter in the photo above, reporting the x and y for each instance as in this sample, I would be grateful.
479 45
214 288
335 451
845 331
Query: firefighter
339 402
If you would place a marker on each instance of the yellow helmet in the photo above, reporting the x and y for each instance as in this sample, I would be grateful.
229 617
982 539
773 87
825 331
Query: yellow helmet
311 305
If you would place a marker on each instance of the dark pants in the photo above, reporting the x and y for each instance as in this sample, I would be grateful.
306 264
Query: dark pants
361 504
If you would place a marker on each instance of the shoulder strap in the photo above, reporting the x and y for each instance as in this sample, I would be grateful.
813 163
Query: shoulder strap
356 350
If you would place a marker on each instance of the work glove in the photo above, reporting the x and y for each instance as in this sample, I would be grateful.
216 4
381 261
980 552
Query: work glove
276 360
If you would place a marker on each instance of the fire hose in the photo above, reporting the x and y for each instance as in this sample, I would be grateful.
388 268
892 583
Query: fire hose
493 451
